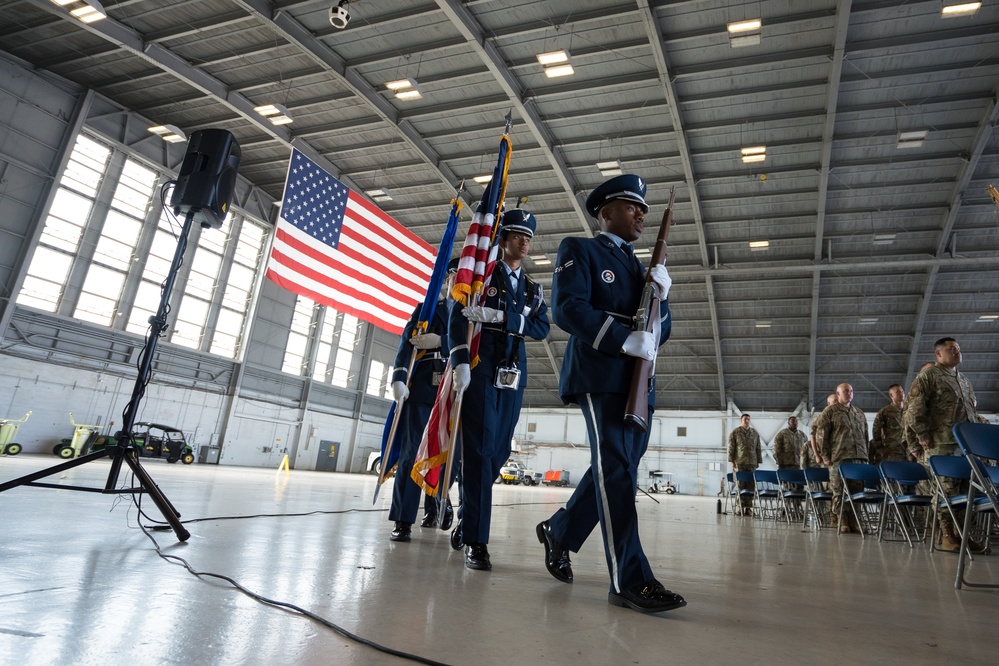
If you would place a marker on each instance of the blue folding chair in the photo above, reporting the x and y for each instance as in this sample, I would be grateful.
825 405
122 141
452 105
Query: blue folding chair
980 444
767 493
948 467
867 505
740 493
792 493
909 510
817 495
730 491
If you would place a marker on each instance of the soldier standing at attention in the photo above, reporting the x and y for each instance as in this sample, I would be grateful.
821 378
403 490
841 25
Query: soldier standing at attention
912 447
887 441
513 307
940 397
745 453
841 437
788 445
812 458
596 292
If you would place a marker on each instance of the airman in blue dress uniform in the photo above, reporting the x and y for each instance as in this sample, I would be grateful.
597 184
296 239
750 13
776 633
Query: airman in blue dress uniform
596 292
419 393
512 307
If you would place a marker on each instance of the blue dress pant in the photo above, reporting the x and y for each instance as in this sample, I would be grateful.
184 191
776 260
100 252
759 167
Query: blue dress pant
405 493
605 495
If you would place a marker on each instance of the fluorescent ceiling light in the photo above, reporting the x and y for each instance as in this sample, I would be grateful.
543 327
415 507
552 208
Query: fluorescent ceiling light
559 70
409 93
278 114
63 3
541 260
745 26
759 245
553 57
753 158
987 317
380 194
744 40
169 133
603 166
908 144
867 321
482 180
918 135
763 323
643 252
401 84
884 239
611 172
964 9
92 11
754 150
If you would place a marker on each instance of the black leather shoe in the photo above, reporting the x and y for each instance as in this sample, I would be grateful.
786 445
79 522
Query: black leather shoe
401 532
556 557
448 516
456 541
650 597
429 521
477 557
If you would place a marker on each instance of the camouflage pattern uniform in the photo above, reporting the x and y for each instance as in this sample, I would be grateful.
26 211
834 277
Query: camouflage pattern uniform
808 458
787 448
939 398
887 441
745 453
841 436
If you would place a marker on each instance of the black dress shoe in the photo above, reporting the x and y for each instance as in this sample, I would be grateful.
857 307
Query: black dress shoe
556 557
456 540
477 557
401 532
429 521
650 597
448 516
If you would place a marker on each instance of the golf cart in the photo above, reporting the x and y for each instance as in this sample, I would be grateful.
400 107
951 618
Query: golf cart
154 440
662 482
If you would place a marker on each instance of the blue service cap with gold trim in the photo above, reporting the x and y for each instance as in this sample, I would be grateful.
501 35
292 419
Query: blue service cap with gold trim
518 220
628 186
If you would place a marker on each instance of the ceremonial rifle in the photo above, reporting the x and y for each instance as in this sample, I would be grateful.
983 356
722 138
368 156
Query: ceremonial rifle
636 411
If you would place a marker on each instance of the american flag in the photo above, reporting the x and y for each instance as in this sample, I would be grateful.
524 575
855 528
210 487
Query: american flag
436 441
338 249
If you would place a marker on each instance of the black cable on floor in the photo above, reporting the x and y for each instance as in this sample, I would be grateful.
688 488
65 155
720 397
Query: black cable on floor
283 605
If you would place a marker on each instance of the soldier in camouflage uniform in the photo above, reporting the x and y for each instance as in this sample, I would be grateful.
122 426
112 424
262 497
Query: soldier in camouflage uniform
887 438
841 437
911 439
809 453
745 453
788 445
940 397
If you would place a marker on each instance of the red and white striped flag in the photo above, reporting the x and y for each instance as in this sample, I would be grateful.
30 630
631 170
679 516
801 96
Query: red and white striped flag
436 441
340 250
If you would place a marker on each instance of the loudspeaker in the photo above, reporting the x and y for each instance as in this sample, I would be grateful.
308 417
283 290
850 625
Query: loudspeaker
207 176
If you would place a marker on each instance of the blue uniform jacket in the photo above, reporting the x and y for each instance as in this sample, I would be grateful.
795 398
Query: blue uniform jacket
595 293
523 319
430 367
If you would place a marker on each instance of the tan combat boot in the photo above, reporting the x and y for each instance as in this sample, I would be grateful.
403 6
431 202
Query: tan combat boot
948 541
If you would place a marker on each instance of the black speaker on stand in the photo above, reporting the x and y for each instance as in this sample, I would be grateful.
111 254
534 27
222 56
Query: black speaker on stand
203 191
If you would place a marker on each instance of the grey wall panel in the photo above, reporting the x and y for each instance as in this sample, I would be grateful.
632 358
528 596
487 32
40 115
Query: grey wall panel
37 116
275 309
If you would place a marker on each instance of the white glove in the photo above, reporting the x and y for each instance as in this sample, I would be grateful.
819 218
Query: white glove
483 314
660 276
400 391
640 345
462 377
426 341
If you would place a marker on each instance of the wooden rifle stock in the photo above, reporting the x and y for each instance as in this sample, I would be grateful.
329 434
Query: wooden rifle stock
636 411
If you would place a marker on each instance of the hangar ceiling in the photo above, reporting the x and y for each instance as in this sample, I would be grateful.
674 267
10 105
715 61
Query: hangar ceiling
878 119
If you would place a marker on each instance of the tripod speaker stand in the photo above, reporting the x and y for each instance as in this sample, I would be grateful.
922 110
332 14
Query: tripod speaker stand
204 189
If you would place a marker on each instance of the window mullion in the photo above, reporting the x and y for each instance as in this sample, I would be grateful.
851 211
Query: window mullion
235 226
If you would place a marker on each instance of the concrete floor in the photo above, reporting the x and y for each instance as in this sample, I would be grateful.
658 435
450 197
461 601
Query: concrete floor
80 584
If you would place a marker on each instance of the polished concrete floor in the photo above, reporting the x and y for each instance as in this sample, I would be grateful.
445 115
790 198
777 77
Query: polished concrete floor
80 584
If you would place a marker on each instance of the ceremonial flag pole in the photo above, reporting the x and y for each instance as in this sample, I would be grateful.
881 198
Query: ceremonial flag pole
427 311
478 257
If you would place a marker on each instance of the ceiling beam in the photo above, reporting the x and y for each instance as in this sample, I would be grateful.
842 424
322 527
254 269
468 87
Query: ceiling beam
984 134
832 98
466 24
657 40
